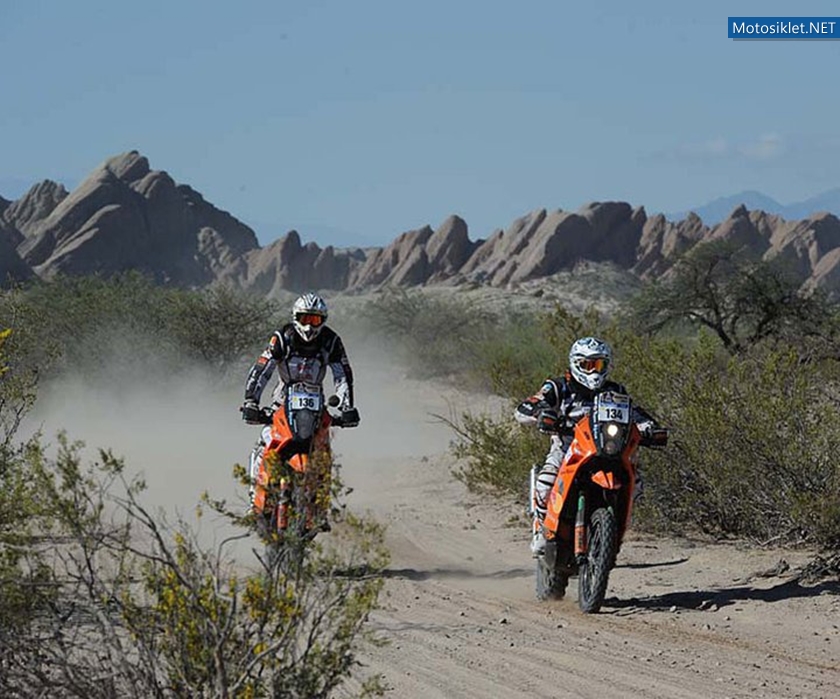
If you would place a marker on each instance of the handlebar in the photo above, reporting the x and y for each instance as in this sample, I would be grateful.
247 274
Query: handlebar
265 415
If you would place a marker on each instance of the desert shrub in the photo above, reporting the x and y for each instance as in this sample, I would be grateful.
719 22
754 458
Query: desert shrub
494 454
18 379
138 608
512 360
751 452
221 326
752 435
436 336
24 587
502 350
100 327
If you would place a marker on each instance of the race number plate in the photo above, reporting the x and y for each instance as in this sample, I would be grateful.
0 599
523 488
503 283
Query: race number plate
304 400
614 407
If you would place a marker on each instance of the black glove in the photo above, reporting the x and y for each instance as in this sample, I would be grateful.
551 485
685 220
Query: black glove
547 421
251 412
350 418
656 437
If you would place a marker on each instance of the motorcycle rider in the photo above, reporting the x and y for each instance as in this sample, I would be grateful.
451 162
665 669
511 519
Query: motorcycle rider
301 351
590 360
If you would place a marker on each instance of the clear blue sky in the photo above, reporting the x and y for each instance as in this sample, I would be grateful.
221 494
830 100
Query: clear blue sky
361 119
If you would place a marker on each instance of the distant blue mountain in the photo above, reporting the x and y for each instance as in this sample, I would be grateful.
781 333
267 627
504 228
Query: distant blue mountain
826 201
719 209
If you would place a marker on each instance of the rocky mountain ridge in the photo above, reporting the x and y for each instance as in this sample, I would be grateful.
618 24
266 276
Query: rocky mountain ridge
126 216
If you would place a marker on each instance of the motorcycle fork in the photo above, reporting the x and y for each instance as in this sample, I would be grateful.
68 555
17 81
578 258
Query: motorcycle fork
580 528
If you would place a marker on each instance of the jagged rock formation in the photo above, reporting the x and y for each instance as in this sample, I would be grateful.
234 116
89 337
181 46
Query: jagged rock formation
127 216
541 243
662 242
34 206
286 264
422 256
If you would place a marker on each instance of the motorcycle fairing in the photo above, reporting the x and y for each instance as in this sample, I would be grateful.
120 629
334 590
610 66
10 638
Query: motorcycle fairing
283 444
582 449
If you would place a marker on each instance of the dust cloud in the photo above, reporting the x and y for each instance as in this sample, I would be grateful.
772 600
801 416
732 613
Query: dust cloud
180 429
181 433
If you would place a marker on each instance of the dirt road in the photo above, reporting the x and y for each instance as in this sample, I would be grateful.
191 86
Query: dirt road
683 620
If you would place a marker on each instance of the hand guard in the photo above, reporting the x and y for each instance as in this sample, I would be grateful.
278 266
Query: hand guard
350 418
652 434
251 412
547 421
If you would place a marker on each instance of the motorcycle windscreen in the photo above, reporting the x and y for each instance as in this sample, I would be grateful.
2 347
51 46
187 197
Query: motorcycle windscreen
304 424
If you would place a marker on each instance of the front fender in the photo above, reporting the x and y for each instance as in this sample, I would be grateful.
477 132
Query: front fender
607 480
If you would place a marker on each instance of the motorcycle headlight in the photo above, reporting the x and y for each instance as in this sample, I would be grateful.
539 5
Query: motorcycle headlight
613 438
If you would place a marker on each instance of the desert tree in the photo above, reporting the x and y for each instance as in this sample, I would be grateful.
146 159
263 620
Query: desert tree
742 300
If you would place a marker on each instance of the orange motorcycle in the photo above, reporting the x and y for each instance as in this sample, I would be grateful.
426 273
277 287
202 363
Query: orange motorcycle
590 504
292 488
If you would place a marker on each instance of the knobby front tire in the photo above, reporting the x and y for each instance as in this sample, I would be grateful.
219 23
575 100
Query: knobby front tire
602 548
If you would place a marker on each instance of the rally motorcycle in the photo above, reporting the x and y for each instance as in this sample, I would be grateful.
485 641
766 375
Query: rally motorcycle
591 502
292 488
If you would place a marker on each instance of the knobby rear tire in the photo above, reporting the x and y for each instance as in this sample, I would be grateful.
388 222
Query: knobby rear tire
602 548
551 584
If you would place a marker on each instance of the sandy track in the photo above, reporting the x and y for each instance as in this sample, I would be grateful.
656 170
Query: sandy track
683 620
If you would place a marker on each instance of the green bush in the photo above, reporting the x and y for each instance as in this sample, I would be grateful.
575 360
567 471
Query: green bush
437 337
496 454
219 325
751 451
752 435
105 328
502 349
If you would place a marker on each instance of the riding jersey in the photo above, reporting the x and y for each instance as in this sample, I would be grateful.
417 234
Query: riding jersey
569 400
299 361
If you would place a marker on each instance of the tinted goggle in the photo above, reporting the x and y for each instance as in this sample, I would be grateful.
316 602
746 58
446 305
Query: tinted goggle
310 319
590 365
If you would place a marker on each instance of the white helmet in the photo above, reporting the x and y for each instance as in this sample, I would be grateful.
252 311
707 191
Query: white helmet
589 362
309 315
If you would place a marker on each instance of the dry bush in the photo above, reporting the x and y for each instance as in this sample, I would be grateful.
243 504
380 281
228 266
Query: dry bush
137 608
